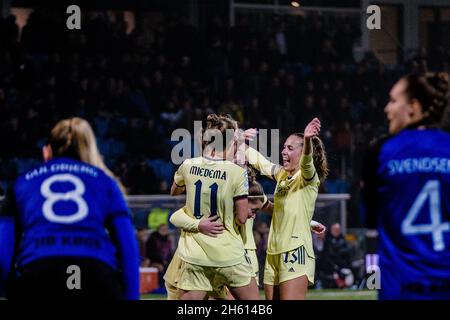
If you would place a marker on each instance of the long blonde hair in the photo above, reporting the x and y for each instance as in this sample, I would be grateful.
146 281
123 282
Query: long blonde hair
74 138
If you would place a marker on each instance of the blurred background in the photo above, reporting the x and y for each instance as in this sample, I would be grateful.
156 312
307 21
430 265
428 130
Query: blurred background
138 69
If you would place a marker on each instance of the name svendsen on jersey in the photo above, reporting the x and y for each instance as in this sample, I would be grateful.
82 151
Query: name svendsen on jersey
213 174
414 165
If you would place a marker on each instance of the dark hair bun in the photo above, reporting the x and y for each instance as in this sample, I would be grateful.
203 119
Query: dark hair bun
431 90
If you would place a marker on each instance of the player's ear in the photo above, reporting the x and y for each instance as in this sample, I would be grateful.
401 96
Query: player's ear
47 153
415 109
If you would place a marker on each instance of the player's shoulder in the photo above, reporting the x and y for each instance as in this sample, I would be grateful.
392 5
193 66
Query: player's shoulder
25 176
234 169
61 166
192 161
420 137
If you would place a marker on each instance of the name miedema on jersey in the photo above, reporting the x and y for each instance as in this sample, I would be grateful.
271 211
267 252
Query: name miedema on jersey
213 174
61 167
414 165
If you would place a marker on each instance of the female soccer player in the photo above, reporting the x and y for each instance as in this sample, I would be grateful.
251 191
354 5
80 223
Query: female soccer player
68 217
257 202
290 257
215 186
406 187
212 227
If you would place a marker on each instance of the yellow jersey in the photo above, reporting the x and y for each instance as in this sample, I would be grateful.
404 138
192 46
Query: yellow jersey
294 203
249 239
182 220
212 186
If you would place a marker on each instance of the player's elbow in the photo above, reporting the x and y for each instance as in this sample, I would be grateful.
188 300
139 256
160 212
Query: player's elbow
176 190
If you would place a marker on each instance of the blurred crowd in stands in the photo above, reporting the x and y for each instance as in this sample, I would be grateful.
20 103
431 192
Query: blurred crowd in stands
137 85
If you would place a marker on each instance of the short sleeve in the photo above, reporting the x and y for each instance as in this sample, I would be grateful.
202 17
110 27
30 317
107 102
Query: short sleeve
179 176
241 189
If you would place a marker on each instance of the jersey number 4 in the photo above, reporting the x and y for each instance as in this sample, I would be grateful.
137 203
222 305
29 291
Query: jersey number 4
213 199
430 191
75 195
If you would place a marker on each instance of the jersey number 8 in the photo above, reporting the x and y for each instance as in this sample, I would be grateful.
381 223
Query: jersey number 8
54 197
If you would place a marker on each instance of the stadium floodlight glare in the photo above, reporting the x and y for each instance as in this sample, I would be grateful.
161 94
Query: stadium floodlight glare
295 4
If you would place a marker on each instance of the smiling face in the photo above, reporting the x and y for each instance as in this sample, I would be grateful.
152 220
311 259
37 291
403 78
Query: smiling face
398 110
291 153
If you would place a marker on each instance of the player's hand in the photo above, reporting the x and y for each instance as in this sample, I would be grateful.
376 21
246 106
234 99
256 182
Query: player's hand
211 226
318 228
250 134
313 128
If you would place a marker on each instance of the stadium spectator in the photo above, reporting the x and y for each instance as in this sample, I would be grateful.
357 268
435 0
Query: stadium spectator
135 87
335 266
337 248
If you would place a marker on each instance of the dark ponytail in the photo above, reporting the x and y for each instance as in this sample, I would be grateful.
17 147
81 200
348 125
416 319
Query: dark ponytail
431 90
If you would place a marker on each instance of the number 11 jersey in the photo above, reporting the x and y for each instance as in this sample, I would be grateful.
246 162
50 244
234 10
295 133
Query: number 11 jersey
212 186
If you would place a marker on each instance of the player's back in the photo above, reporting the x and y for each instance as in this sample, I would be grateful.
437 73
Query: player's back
63 207
212 186
413 196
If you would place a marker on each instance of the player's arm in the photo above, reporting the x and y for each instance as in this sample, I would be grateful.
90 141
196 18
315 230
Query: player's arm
8 211
178 185
176 190
261 164
257 160
308 171
122 233
241 210
210 226
240 196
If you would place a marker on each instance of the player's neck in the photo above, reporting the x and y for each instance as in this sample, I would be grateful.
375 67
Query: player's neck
214 155
293 172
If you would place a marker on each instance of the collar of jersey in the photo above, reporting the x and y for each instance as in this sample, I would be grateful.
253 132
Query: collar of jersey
212 159
65 159
291 177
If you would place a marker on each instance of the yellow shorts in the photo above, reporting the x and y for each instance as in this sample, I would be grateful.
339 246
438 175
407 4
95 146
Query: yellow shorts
253 260
199 278
289 265
173 274
172 291
173 270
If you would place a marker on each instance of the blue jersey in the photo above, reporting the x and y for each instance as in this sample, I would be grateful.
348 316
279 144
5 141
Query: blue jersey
63 208
407 197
